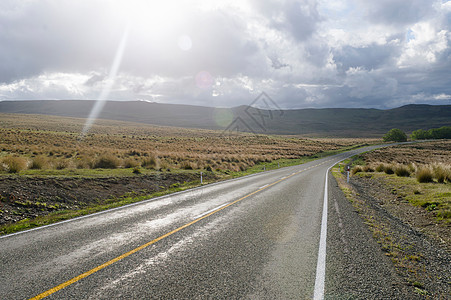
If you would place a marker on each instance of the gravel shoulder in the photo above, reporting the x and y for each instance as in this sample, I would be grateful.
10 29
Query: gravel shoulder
357 267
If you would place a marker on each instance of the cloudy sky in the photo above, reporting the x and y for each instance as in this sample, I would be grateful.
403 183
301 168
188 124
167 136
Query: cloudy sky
308 53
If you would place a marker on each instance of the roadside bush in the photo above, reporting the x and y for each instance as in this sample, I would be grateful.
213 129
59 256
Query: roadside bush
106 162
402 171
15 164
424 175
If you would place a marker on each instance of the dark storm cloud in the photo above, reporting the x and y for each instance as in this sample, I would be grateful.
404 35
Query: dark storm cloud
369 57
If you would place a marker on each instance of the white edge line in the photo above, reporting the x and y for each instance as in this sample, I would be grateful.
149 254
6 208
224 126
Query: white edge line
211 210
321 264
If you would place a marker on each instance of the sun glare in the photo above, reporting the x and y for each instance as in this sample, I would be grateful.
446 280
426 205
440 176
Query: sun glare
154 16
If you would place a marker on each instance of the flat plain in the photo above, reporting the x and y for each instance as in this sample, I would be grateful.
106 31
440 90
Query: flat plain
49 171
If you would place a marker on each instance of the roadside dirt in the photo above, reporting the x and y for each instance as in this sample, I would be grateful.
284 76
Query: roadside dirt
30 197
418 246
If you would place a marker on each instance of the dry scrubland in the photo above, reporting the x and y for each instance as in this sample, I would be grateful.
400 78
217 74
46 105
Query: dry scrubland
46 142
48 173
420 173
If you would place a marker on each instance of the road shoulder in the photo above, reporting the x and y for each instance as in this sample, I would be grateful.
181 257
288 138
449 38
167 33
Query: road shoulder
357 268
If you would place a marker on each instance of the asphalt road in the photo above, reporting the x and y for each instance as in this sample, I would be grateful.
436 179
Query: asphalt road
256 237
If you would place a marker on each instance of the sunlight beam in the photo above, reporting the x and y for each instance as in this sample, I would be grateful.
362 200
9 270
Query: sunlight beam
100 102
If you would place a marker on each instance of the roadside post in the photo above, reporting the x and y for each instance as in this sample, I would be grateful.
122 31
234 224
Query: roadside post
278 165
264 168
201 181
347 174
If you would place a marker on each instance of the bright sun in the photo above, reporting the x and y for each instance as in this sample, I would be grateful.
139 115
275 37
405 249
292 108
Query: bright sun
151 15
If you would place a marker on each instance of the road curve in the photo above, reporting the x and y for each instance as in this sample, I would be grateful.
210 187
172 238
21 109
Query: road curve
256 237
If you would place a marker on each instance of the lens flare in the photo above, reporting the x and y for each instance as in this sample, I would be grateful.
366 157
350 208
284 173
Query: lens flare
100 102
204 80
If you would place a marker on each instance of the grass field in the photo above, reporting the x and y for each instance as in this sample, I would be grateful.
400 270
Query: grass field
48 172
46 142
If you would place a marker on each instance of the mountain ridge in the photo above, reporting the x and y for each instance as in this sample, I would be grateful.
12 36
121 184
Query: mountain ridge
333 122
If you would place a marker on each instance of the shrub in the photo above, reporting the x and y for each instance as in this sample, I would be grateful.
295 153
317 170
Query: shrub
424 175
15 164
402 171
420 134
395 135
106 162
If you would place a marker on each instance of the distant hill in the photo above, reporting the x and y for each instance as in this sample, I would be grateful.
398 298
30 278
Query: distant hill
339 122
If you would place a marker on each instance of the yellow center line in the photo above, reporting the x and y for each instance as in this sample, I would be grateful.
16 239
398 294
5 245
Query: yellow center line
110 262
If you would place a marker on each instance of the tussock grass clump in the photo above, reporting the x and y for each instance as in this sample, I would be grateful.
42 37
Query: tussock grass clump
440 173
380 168
106 162
388 169
150 162
61 164
15 164
412 168
187 166
424 175
402 171
39 163
356 169
368 169
130 163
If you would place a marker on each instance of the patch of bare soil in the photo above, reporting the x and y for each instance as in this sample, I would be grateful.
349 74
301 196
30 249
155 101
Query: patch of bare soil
30 197
418 246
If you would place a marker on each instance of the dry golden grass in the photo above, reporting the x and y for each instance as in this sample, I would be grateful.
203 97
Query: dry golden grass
54 142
